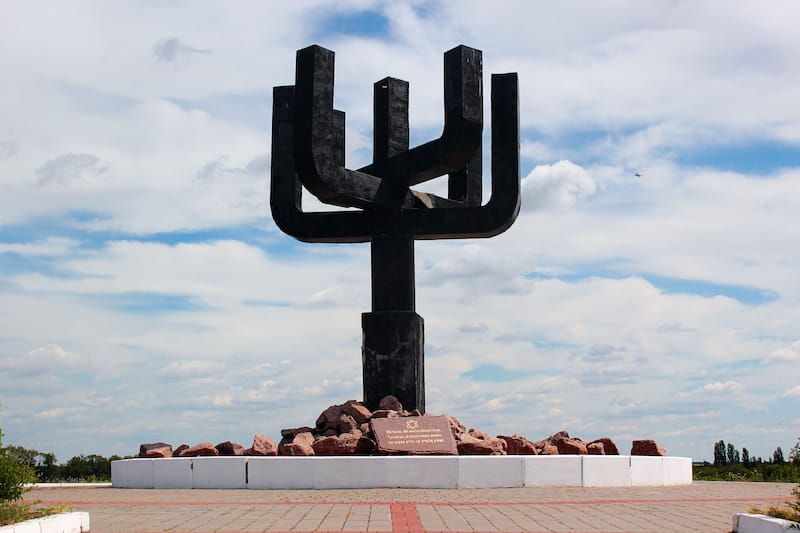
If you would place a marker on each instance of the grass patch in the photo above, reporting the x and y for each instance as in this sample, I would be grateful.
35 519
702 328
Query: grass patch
14 512
789 510
784 473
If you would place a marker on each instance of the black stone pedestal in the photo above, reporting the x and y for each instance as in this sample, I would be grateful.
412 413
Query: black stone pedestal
392 358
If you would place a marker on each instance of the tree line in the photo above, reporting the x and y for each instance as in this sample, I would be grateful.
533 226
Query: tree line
729 455
731 464
81 468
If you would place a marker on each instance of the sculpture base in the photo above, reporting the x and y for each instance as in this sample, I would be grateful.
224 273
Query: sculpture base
447 472
392 357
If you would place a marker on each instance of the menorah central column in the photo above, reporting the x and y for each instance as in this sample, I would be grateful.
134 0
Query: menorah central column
392 334
308 140
392 352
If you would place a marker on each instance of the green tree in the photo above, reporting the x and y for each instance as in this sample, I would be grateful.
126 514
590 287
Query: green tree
87 467
733 454
24 455
720 457
794 453
777 456
745 457
46 468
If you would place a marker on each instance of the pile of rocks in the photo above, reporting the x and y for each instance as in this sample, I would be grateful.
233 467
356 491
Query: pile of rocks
476 442
262 445
345 429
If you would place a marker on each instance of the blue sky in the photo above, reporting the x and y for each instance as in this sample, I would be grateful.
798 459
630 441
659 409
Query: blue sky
148 295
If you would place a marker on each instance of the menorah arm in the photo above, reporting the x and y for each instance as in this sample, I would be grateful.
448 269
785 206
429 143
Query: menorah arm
317 138
502 209
286 190
435 223
463 126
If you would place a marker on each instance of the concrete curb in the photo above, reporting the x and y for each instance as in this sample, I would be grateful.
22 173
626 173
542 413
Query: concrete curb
759 523
63 485
77 522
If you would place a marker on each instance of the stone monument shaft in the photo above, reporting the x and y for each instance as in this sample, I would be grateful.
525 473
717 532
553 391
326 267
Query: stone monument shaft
308 152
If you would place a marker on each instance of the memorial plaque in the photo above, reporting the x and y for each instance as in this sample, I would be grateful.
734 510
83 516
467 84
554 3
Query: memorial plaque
414 435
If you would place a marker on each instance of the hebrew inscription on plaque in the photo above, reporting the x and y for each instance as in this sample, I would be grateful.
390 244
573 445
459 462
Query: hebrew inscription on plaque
414 435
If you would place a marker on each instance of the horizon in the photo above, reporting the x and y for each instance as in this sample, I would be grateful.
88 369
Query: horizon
649 288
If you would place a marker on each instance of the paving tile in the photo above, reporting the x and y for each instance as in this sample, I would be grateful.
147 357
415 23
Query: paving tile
699 507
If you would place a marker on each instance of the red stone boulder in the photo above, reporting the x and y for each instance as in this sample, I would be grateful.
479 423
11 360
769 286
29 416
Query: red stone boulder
478 434
291 432
345 444
647 447
229 448
155 450
346 423
292 449
518 445
204 448
385 413
457 427
571 446
472 446
608 445
178 452
595 448
561 435
545 447
359 412
262 445
548 449
298 444
329 418
390 403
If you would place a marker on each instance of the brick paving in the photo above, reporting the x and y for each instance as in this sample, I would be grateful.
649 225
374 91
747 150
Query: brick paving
703 506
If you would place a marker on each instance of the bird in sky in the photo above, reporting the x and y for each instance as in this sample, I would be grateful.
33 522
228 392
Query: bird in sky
637 174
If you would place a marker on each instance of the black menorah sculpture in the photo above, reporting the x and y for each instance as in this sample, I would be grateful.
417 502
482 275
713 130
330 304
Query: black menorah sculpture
308 151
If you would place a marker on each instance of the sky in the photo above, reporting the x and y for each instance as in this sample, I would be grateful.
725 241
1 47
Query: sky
147 294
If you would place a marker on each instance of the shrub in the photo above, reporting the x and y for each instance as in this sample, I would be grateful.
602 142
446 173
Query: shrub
13 476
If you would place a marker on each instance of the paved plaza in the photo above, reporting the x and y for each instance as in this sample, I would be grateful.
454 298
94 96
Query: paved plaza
703 506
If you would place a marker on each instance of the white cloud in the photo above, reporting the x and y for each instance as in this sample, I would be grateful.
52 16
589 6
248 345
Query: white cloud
727 387
786 353
60 413
41 360
51 246
8 149
50 354
171 50
188 368
68 169
222 400
161 144
556 186
794 392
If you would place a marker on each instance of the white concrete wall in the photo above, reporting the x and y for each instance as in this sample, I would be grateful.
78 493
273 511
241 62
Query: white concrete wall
491 471
218 473
402 471
606 471
173 474
648 471
424 472
280 473
553 471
